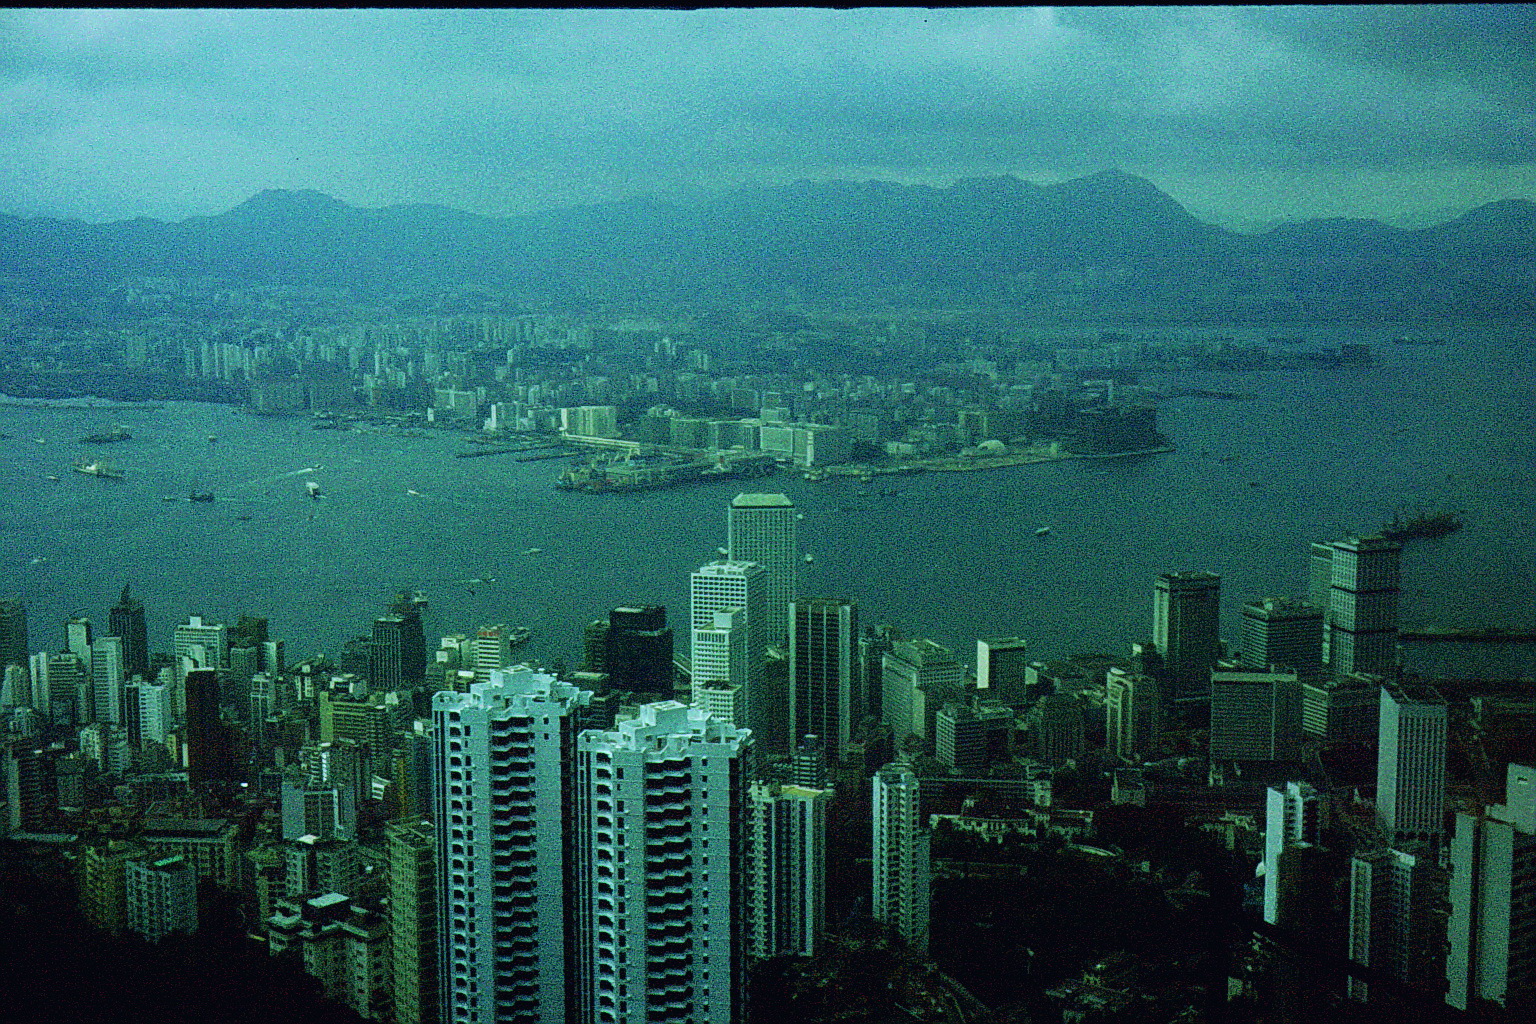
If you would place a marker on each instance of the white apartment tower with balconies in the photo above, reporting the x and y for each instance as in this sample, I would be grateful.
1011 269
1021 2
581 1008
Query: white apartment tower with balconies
502 809
741 588
662 874
902 873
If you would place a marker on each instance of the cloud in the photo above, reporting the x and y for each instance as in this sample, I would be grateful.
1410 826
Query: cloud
171 113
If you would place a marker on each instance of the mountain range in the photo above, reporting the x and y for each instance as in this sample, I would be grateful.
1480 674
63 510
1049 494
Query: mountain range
1109 239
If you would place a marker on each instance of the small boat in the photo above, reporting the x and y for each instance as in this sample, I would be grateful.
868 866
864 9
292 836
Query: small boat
1044 531
312 489
809 558
52 477
202 496
212 438
243 519
99 467
413 493
532 551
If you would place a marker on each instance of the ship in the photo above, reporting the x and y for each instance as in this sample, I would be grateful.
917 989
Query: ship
117 433
312 489
1424 526
1043 531
200 496
99 467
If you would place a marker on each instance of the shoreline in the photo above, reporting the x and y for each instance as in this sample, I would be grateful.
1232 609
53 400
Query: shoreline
954 464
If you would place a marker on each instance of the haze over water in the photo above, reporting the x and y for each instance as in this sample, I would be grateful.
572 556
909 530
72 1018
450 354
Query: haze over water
1317 454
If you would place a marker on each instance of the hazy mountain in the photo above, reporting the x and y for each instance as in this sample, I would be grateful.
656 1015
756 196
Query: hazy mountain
1109 238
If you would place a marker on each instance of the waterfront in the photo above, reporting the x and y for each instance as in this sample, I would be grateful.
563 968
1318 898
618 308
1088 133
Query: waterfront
1315 455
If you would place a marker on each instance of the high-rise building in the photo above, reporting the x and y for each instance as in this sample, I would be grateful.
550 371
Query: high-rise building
126 620
1282 632
721 665
1255 716
493 650
1341 709
62 679
146 713
398 659
1362 604
970 737
638 652
503 811
1293 815
786 904
77 640
210 755
1186 629
1392 917
1492 929
917 677
14 647
662 817
902 872
1001 664
161 896
1133 714
412 874
729 587
1057 732
1410 765
824 696
107 676
196 644
761 529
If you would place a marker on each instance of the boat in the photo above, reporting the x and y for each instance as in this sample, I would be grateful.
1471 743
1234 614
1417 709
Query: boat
203 496
1043 531
809 558
312 489
413 493
53 477
532 551
1423 526
117 433
99 467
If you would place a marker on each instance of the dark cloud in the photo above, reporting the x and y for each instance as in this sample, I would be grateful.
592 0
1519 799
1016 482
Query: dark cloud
171 113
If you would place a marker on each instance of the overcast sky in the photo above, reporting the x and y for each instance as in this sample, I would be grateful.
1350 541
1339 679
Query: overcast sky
1408 114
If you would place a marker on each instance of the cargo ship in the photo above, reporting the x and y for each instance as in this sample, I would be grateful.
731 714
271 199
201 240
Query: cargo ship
1422 527
117 433
99 467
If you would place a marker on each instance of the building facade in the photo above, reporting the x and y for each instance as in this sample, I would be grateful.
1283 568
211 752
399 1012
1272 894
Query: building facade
824 693
1186 629
761 529
1410 765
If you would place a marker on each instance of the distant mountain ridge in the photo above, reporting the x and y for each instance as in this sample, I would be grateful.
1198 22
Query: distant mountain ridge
1109 238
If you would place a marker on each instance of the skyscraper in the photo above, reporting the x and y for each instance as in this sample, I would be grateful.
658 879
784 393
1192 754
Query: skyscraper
738 587
1492 930
209 750
503 813
638 651
761 529
107 675
126 620
196 644
399 655
1293 815
917 677
1186 629
1281 632
412 876
1362 604
786 904
1410 765
1255 716
823 672
662 817
1000 669
14 649
1133 714
902 872
1391 916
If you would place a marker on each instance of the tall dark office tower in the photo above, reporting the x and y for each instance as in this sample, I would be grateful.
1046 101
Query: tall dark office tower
13 633
639 651
398 660
1362 605
126 621
1186 616
823 672
210 747
1285 633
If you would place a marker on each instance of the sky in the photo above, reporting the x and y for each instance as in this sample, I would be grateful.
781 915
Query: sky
1246 115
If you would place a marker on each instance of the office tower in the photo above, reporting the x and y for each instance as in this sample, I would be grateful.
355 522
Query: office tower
594 646
874 644
1293 815
107 673
126 620
398 659
970 737
1255 716
1133 714
1410 765
823 672
761 529
902 872
502 813
162 896
1186 629
917 677
1341 709
210 755
1286 633
65 678
1000 669
638 652
146 713
787 847
729 587
196 644
412 874
77 640
1362 605
1392 928
14 646
720 666
661 817
31 777
1492 930
1057 733
493 650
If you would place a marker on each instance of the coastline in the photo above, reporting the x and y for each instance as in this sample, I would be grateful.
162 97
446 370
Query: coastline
960 464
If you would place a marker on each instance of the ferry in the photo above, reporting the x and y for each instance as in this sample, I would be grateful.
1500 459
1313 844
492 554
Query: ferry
99 467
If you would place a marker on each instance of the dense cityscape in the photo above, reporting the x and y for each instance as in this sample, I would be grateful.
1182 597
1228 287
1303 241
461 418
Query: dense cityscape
1258 821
